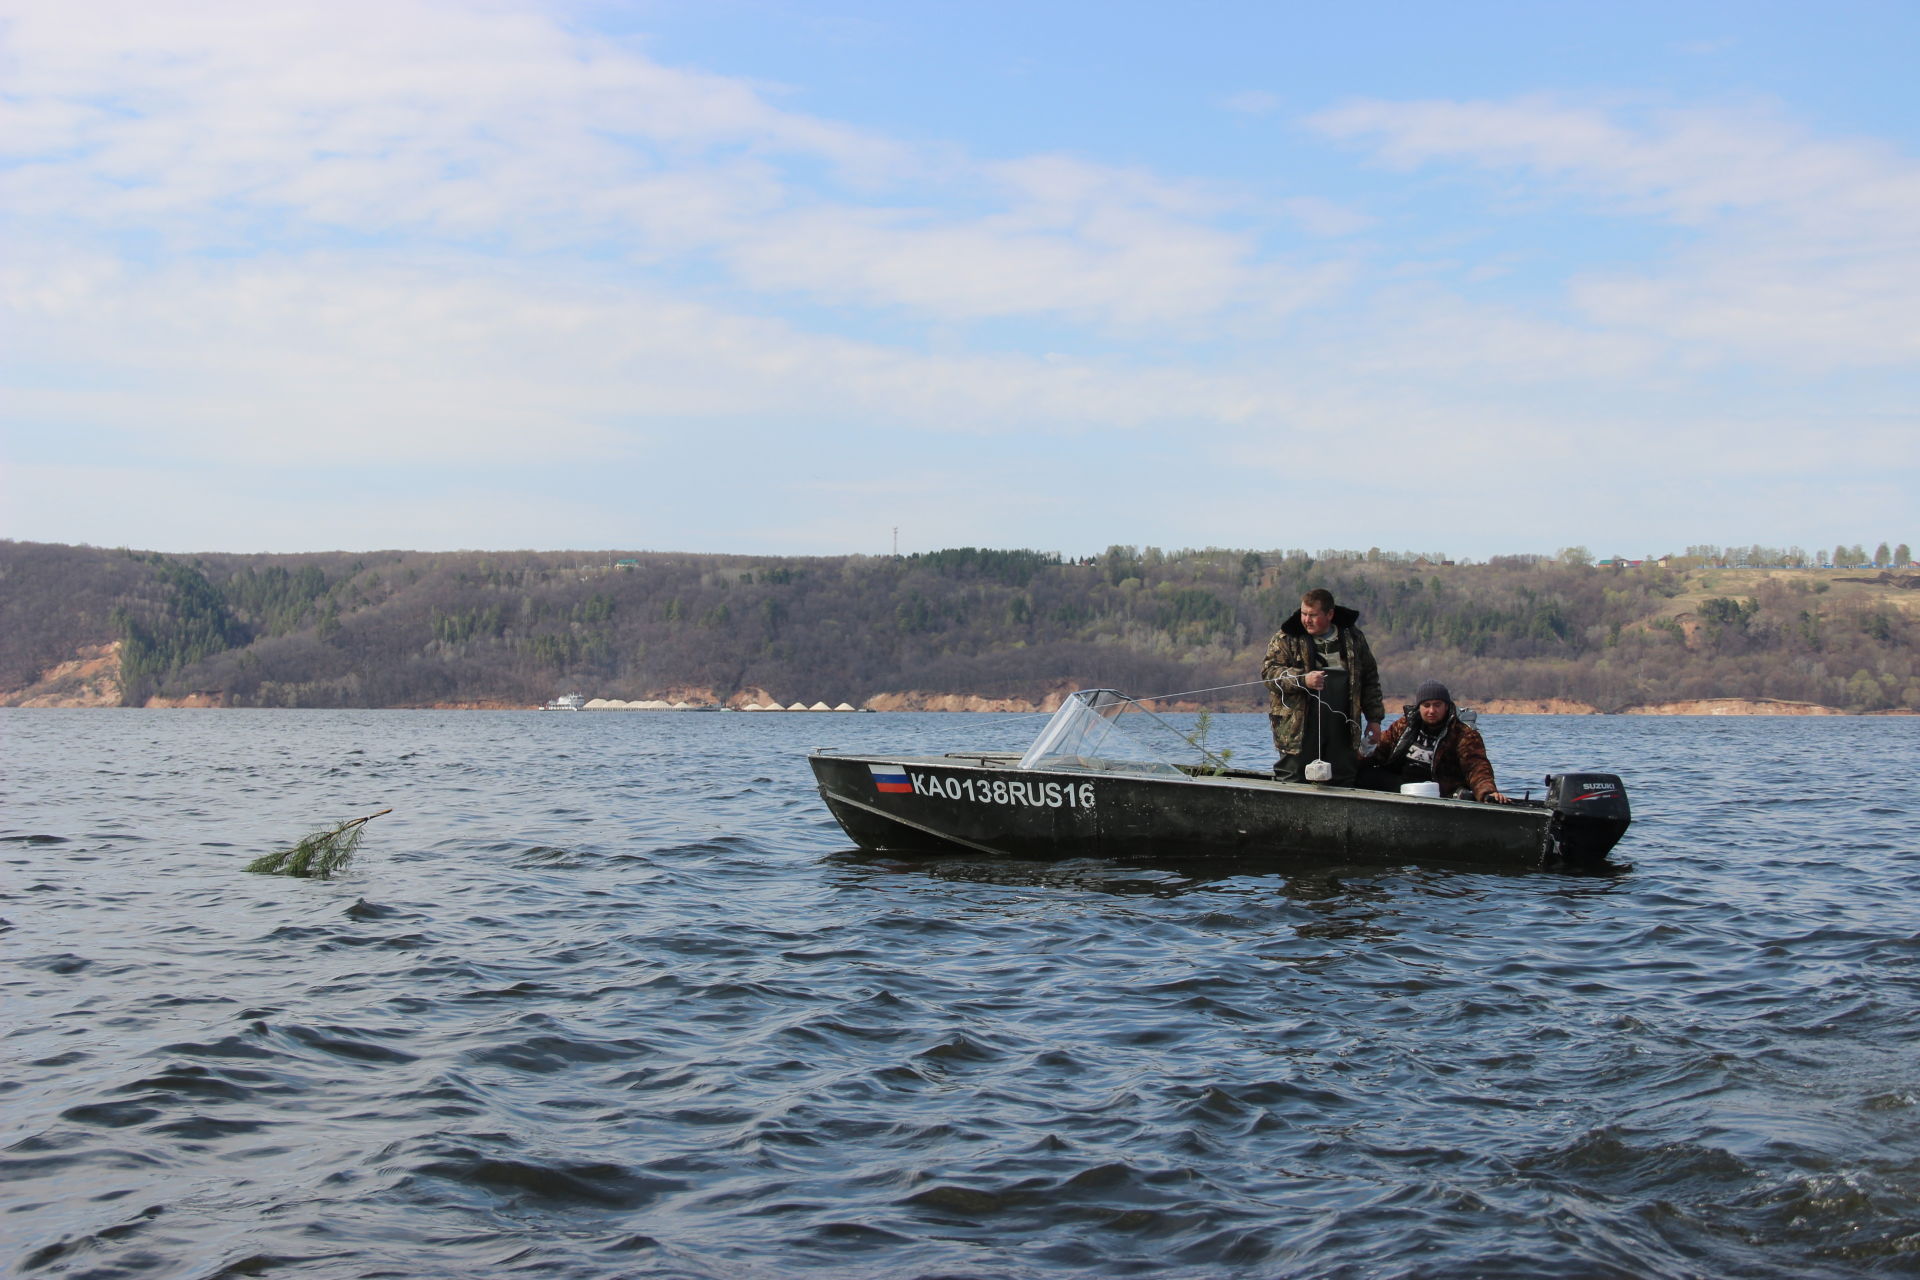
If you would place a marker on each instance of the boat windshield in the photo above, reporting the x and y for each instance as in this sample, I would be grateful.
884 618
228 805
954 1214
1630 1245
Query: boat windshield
1106 731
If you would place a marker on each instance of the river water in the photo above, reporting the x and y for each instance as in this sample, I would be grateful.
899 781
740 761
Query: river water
607 995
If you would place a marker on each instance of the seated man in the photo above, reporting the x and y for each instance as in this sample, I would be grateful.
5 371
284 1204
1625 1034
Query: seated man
1431 744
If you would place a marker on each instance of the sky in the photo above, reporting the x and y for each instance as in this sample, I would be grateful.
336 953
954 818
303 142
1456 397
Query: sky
815 277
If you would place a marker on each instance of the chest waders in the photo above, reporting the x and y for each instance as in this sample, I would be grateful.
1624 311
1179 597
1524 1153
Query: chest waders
1332 694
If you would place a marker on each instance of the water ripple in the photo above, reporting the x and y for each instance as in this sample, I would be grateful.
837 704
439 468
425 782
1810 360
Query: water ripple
607 996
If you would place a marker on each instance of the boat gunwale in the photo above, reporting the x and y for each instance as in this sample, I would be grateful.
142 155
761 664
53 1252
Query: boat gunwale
987 762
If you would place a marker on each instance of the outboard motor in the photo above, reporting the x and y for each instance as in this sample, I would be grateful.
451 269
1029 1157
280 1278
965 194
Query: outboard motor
1590 814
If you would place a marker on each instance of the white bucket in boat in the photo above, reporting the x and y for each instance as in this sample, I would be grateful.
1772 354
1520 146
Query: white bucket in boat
1429 789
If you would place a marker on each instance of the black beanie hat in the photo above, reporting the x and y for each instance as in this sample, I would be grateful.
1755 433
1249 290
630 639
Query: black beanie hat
1429 690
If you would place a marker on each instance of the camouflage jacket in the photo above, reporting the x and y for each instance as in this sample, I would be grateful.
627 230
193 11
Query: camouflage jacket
1459 761
1290 656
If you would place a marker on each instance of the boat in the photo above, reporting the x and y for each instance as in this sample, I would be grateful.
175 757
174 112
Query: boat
1109 778
567 702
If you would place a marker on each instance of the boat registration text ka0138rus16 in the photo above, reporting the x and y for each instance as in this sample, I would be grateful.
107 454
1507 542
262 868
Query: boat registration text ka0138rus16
1032 792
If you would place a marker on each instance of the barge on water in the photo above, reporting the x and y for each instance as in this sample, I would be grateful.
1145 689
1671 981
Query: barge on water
1094 785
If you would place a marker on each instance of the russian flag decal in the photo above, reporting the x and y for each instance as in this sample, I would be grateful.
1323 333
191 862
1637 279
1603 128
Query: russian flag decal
891 777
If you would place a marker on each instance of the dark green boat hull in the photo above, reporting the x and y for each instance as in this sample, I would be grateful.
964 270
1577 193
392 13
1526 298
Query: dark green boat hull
986 804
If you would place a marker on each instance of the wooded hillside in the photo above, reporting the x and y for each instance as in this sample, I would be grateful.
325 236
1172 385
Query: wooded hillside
397 628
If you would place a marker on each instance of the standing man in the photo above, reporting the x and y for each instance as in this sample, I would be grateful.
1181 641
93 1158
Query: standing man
1322 682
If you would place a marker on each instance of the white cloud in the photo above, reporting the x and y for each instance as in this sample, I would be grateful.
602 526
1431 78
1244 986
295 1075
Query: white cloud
239 125
316 359
228 124
1445 340
187 509
1120 265
1691 165
1799 306
1800 248
1103 244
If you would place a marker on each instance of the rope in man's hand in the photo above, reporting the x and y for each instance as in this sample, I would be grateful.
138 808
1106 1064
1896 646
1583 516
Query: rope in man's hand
1370 734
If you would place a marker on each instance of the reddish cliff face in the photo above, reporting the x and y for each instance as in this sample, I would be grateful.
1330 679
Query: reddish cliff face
1731 707
91 678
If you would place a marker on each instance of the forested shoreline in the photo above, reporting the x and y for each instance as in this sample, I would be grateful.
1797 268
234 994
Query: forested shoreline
399 628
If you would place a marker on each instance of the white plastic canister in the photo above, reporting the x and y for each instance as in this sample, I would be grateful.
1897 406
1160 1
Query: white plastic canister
1428 789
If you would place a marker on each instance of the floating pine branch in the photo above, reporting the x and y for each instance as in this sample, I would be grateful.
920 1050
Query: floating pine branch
319 855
